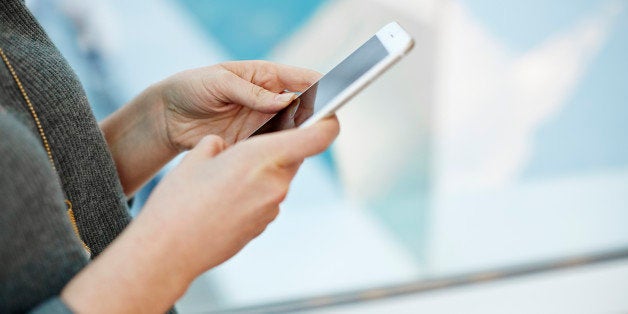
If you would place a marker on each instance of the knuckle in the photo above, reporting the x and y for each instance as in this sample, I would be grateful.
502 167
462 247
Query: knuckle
257 91
273 213
264 65
224 76
213 143
267 72
259 231
280 193
210 138
217 86
278 159
276 185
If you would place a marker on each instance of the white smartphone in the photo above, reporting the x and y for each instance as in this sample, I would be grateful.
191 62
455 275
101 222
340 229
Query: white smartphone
344 81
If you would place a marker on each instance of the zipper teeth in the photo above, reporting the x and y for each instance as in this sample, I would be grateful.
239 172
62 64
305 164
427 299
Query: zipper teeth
44 139
31 109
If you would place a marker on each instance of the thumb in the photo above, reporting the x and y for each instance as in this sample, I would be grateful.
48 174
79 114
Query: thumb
245 93
291 146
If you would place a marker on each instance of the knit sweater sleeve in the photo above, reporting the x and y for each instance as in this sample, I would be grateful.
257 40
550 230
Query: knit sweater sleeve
39 253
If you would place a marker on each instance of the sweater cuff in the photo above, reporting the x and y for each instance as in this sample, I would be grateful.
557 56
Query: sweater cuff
52 306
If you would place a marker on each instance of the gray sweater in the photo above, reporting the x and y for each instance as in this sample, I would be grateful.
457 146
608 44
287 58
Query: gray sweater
39 252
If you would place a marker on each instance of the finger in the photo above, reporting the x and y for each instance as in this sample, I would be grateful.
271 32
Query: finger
208 147
274 75
240 91
295 78
291 146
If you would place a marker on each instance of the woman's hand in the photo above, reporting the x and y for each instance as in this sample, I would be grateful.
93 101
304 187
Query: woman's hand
217 201
230 99
202 213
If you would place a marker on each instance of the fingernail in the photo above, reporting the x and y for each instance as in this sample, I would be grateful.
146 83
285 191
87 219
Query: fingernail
284 97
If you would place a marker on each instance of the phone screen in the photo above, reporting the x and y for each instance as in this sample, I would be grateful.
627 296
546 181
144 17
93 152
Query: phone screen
317 96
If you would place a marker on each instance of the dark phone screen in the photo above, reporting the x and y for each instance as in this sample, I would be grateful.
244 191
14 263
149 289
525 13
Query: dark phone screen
329 86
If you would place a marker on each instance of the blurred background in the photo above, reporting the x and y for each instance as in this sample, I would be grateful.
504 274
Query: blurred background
498 146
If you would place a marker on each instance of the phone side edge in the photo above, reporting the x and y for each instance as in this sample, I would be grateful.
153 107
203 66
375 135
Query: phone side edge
352 90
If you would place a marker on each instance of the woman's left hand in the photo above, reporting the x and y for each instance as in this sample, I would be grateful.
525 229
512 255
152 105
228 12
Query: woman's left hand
230 99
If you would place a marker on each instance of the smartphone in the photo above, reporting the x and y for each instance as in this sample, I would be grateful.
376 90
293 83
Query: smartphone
344 81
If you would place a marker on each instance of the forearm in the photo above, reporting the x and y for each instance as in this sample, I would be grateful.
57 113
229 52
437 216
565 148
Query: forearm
142 271
136 138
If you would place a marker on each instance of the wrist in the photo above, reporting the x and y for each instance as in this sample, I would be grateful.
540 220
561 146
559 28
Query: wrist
154 101
141 271
137 139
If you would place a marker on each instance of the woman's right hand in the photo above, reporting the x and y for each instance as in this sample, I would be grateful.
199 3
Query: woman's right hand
218 199
202 213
